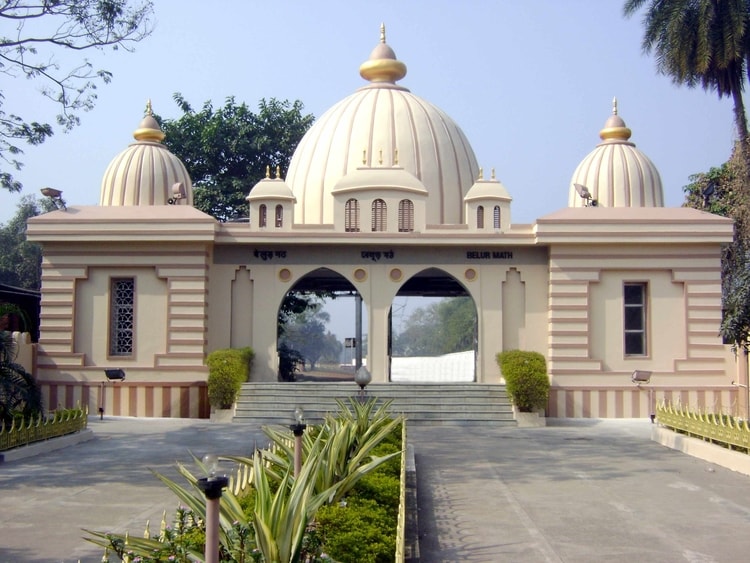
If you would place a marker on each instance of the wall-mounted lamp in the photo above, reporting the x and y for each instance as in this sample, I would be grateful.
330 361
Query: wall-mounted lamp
113 375
56 196
588 200
178 193
639 377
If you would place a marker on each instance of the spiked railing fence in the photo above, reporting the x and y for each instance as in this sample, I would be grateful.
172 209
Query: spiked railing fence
61 423
731 432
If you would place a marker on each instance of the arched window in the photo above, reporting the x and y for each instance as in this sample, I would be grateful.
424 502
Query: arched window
496 217
405 216
379 218
263 219
480 217
351 216
279 216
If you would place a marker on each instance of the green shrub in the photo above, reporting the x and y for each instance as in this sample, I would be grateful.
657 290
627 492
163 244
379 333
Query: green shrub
358 532
228 369
526 379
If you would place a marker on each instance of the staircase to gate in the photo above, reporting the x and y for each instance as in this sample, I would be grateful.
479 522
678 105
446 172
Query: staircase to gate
430 404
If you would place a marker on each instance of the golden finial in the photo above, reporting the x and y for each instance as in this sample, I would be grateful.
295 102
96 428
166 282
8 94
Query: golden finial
364 156
278 172
395 157
149 110
493 172
380 157
382 32
614 105
268 171
481 174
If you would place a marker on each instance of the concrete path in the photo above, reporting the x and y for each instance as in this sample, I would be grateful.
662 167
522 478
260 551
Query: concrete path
580 492
589 491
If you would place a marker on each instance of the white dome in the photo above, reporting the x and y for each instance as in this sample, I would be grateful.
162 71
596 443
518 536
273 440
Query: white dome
146 172
383 125
616 173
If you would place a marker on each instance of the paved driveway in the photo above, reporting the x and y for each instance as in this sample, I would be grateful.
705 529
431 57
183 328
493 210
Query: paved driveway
590 491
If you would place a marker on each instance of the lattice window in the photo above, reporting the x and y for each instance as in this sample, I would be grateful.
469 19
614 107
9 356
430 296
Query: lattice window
279 216
634 299
379 215
405 216
122 317
351 216
496 217
480 217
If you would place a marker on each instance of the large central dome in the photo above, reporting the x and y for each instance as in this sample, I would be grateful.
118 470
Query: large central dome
383 125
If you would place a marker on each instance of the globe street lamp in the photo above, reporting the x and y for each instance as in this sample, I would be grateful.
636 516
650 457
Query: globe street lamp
212 486
362 377
298 428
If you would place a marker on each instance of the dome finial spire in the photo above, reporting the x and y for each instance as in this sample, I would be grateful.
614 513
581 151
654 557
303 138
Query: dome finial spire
382 66
614 105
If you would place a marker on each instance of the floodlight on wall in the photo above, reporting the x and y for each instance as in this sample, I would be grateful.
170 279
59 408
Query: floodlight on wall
583 191
55 195
178 193
640 376
115 374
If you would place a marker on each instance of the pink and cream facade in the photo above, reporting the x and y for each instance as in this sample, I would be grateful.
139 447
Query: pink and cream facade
384 195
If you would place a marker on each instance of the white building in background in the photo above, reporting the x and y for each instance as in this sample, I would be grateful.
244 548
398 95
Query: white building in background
384 197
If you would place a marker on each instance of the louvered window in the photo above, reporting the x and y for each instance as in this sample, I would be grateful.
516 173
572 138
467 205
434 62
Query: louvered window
263 220
496 217
379 215
480 217
279 216
351 216
405 216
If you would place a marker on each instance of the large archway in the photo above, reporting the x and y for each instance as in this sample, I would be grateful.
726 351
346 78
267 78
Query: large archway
433 330
319 331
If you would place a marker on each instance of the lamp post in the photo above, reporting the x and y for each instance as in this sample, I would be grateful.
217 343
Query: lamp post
298 429
212 486
362 377
639 377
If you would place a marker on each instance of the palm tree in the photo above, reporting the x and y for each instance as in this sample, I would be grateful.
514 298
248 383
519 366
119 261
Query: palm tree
704 42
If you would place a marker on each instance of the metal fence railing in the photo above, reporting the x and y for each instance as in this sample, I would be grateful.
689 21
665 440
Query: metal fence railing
61 423
719 428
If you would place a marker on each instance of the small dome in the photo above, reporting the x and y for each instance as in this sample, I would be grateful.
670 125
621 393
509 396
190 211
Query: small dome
487 190
271 188
616 173
393 179
383 125
146 173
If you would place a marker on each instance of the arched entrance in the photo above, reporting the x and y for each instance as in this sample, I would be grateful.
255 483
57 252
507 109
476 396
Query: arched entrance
313 312
433 326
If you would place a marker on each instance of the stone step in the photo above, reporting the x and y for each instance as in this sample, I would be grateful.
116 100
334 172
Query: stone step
423 404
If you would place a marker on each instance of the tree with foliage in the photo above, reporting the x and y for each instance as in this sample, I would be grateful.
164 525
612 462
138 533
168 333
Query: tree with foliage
443 327
721 190
227 150
704 42
21 260
305 332
33 35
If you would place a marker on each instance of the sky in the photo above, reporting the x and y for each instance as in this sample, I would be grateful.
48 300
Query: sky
530 83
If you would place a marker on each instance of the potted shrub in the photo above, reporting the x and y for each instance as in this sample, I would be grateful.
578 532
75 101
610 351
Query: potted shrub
228 369
527 384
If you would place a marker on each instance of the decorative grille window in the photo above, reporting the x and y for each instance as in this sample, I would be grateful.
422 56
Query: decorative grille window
351 216
480 217
122 319
279 216
634 299
405 216
496 217
263 220
379 218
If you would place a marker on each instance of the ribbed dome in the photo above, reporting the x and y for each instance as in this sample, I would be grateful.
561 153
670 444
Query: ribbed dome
271 188
616 173
383 125
145 173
